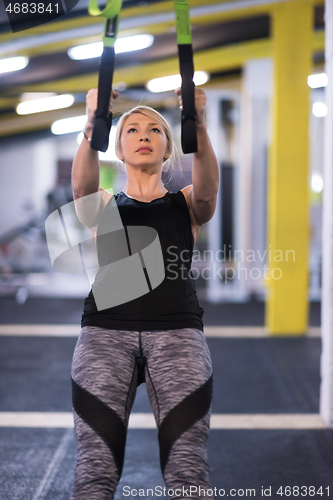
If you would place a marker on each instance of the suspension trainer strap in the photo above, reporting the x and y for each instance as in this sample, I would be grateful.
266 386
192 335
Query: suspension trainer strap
103 120
185 53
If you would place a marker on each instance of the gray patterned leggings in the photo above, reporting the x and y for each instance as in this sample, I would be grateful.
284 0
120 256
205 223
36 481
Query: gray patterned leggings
108 365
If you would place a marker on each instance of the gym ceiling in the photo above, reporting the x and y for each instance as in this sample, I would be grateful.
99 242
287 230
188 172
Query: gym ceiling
225 34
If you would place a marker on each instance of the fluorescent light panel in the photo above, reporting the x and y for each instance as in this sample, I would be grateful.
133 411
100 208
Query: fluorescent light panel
69 125
136 42
45 104
87 51
319 109
13 64
317 183
174 81
126 44
29 96
318 80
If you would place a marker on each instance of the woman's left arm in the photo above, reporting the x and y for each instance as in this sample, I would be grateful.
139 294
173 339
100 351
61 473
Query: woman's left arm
202 195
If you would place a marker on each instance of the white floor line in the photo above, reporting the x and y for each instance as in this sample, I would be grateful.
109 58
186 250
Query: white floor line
250 332
74 331
41 330
268 421
60 420
50 471
147 421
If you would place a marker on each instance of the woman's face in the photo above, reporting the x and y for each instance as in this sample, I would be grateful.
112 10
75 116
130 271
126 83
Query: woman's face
143 142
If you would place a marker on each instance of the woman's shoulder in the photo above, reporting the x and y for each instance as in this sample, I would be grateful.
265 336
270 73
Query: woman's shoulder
186 191
105 196
90 207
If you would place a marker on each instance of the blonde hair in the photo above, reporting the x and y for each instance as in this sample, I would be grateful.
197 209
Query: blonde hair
170 153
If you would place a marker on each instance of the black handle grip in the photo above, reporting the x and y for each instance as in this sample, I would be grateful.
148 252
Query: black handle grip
189 131
101 133
103 120
189 136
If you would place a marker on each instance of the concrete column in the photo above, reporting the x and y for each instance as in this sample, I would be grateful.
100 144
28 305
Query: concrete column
255 133
28 173
222 290
214 225
44 166
16 185
288 191
326 396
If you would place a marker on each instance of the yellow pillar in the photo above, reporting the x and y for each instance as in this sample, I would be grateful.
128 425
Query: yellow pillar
288 194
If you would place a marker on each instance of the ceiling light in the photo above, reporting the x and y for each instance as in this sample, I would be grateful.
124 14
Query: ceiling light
317 183
317 80
69 125
174 81
319 109
13 64
129 43
86 51
164 84
28 96
126 44
45 104
120 86
80 137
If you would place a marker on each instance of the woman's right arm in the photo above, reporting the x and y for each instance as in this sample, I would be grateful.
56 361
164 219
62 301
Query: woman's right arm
85 169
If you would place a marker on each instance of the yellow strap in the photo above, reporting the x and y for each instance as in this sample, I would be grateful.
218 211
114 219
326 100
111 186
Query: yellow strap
183 25
112 8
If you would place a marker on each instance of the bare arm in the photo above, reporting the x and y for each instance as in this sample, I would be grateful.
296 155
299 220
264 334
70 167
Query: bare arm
202 195
85 170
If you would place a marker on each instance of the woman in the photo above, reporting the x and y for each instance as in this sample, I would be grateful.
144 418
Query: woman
157 337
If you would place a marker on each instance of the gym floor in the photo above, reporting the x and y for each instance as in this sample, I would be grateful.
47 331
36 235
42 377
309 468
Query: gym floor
267 438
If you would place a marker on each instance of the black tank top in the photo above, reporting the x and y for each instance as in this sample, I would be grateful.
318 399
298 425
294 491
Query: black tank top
173 304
